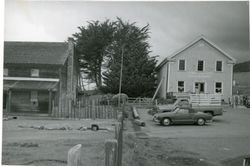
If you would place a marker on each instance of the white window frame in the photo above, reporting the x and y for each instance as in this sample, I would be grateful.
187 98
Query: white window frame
178 86
216 87
179 64
221 66
203 69
5 72
34 72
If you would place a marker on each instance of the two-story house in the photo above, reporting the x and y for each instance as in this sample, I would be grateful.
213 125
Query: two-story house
40 77
199 67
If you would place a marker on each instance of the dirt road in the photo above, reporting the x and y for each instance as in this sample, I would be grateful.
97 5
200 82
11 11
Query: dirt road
24 146
224 142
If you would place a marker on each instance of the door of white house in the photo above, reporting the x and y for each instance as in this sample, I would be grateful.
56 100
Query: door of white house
199 87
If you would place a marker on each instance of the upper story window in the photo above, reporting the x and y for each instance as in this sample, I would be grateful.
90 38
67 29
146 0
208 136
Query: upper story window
180 86
200 65
218 87
182 64
218 65
5 72
34 73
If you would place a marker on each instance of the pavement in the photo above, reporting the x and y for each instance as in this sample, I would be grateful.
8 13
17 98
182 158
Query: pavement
225 140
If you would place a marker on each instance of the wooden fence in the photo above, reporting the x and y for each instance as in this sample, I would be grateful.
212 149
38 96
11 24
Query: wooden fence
140 101
85 108
113 147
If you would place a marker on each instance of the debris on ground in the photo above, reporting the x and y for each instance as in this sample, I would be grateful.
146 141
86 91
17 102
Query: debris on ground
47 128
9 118
25 144
81 128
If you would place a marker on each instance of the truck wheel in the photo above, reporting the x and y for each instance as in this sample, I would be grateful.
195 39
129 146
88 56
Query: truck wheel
166 122
200 121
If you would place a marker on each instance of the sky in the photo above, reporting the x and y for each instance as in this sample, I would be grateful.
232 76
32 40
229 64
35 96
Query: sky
172 24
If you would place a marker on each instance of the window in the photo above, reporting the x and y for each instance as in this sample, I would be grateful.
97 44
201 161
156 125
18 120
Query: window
33 96
182 65
34 73
183 103
5 72
183 111
180 86
200 65
218 65
218 87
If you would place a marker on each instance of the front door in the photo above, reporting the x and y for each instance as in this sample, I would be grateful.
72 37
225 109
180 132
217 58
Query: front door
199 87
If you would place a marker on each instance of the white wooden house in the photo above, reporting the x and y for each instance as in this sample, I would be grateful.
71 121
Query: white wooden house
198 67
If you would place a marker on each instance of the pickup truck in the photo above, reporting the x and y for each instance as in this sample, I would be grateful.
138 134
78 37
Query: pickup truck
214 110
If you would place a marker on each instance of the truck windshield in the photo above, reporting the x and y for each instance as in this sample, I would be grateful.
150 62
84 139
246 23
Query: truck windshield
176 109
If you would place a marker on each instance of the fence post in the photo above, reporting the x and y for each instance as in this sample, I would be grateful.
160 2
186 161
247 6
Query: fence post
74 156
120 137
111 152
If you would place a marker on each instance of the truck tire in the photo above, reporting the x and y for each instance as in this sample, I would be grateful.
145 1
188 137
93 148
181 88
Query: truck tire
200 121
166 122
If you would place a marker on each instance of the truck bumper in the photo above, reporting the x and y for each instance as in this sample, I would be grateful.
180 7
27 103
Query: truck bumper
156 120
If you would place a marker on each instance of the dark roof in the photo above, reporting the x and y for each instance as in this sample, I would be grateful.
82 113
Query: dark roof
35 52
29 85
242 67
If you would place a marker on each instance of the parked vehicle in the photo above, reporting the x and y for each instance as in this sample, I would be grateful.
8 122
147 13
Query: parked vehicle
182 102
182 116
201 105
246 101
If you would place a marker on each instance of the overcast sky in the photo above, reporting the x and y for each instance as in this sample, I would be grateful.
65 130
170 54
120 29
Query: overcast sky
172 24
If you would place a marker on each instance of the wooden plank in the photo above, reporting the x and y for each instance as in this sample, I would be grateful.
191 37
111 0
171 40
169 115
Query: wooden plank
9 101
111 152
74 156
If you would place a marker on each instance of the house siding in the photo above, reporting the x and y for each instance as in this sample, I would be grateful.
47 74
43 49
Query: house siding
63 96
44 72
201 51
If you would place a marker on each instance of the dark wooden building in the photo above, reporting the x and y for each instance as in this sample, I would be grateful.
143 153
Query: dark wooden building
40 77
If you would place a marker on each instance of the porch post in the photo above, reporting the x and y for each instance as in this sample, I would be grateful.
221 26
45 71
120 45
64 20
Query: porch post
50 101
9 101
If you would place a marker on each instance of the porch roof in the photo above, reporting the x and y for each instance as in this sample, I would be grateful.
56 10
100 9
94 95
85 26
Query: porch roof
29 85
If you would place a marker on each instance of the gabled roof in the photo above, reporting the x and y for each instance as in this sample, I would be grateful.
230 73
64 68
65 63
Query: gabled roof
35 52
202 37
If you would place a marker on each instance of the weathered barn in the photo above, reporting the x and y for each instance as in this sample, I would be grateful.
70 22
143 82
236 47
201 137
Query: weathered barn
199 67
40 77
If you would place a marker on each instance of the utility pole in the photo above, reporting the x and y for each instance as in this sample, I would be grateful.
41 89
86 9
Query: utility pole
120 84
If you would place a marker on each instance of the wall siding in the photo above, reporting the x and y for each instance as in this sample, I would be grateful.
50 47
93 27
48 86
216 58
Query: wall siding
201 51
24 71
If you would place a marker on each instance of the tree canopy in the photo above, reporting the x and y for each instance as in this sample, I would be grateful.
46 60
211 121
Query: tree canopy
91 43
97 54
